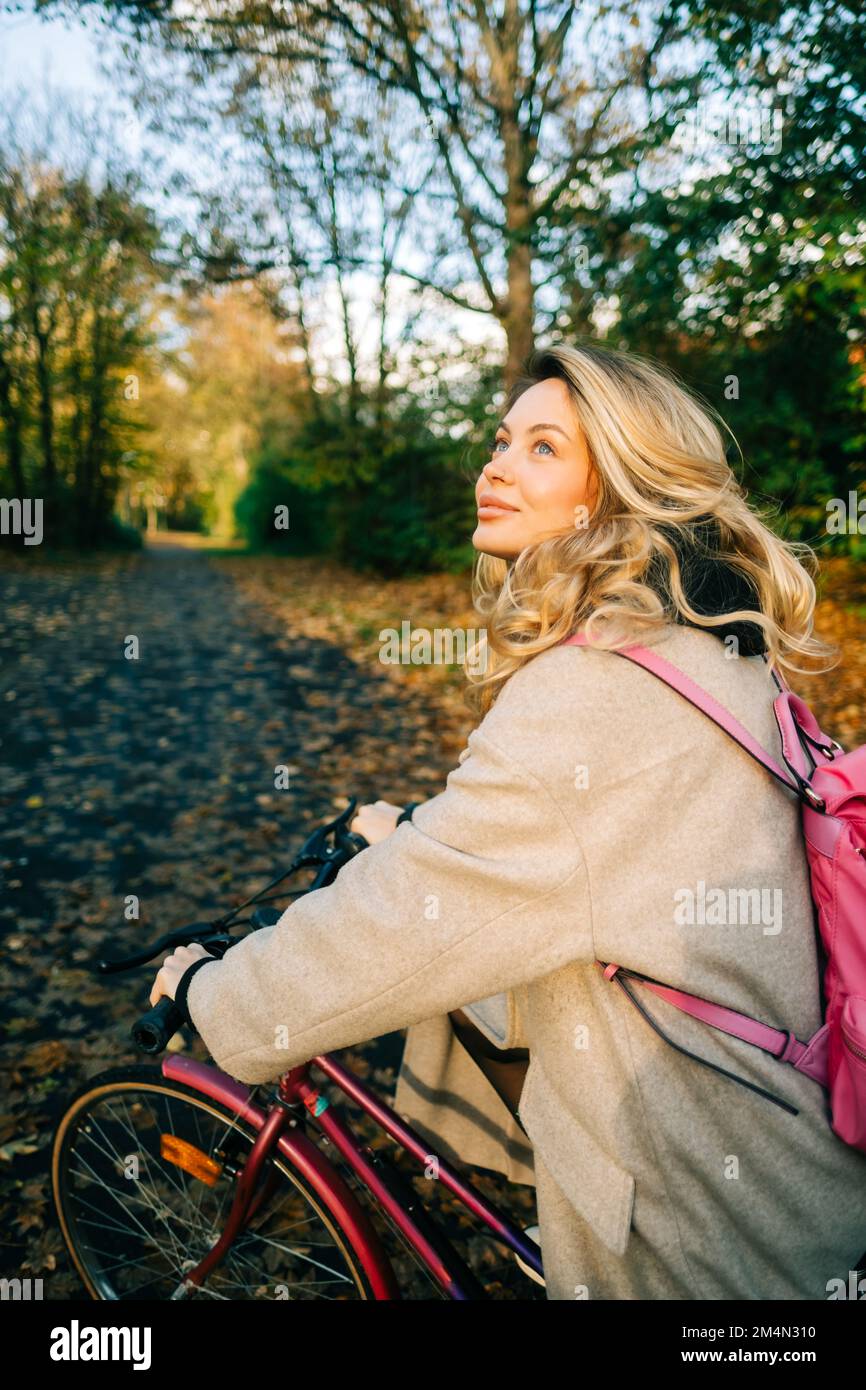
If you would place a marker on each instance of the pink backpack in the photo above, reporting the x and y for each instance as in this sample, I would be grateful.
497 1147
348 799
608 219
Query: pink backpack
833 796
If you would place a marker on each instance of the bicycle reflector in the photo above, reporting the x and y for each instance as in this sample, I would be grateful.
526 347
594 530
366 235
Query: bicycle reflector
189 1158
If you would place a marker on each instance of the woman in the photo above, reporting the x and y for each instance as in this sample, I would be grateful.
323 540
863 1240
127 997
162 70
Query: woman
590 804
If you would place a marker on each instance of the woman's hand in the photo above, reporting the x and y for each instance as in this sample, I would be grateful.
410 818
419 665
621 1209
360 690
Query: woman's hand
375 821
175 965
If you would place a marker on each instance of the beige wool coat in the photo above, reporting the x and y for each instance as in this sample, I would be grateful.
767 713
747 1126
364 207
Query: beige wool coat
592 806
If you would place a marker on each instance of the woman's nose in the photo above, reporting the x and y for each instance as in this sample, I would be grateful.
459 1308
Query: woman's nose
495 469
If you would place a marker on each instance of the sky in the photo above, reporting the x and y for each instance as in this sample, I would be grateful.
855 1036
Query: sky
66 53
58 62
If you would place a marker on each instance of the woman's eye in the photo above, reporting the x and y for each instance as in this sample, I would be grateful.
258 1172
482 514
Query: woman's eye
492 443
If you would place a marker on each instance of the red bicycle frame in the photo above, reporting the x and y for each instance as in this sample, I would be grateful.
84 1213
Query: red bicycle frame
278 1126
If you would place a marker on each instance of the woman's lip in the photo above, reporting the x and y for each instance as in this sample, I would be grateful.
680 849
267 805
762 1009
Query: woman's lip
487 512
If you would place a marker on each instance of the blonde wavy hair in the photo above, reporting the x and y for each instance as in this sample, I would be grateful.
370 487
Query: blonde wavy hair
665 489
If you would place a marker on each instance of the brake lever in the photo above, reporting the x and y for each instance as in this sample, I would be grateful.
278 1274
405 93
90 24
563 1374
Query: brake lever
315 853
152 1032
181 936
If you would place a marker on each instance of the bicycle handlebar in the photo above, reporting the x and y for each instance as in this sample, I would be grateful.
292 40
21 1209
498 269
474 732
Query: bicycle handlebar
152 1031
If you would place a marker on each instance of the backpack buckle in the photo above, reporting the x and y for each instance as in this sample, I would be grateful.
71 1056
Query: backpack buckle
828 749
815 801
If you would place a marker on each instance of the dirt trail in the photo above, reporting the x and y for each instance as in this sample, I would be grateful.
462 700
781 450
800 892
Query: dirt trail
151 777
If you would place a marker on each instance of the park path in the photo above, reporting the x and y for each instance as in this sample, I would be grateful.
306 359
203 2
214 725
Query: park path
154 777
141 775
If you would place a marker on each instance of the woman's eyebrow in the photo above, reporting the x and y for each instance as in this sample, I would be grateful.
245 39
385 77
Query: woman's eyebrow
534 428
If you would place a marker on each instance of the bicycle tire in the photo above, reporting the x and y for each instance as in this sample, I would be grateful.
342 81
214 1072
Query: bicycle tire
150 1081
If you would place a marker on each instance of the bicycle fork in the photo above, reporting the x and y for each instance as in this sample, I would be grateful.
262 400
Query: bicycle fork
246 1201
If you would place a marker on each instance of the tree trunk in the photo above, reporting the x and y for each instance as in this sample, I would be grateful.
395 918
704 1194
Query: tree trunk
519 314
11 418
46 407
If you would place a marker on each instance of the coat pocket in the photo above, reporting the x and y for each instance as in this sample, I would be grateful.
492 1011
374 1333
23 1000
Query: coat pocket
598 1188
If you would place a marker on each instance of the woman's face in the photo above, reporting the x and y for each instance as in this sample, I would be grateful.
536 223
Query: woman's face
539 481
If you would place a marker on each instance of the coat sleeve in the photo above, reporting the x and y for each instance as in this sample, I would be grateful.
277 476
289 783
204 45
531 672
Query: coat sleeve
484 889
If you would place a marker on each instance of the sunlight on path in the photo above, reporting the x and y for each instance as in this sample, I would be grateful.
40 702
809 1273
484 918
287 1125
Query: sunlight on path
188 540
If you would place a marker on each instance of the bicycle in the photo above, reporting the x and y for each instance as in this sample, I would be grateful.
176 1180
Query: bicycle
145 1159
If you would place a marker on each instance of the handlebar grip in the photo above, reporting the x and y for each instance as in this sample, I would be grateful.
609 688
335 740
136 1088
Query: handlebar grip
152 1031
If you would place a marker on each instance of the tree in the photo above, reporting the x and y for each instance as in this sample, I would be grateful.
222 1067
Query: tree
233 380
746 272
530 108
76 269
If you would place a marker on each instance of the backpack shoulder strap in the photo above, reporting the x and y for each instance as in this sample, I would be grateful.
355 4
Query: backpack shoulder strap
782 1045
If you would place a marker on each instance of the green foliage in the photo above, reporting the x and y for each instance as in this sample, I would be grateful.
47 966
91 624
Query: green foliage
271 486
393 498
76 271
119 535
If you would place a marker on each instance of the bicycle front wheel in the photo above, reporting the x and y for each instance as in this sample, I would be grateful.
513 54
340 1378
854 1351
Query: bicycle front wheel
143 1173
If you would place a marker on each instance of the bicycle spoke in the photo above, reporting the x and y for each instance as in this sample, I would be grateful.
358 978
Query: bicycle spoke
121 1264
286 1249
142 1195
131 1197
166 1169
142 1228
103 1224
205 1149
303 1222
